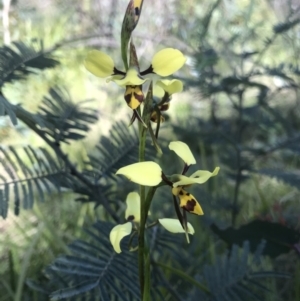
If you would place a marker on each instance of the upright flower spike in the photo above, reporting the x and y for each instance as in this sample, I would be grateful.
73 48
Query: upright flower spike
132 214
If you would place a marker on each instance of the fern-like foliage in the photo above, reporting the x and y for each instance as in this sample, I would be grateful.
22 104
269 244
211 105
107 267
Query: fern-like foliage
19 60
94 270
25 172
236 276
64 120
16 62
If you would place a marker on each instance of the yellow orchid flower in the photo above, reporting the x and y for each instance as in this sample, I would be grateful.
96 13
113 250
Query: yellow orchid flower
164 63
150 174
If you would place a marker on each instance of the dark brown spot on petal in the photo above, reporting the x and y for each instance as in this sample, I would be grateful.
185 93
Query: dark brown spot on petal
190 205
127 97
137 11
139 97
187 193
181 192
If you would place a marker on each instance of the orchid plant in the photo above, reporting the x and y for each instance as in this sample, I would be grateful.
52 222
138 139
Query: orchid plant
148 95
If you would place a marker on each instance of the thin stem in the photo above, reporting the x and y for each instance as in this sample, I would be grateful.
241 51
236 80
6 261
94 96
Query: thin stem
141 251
143 215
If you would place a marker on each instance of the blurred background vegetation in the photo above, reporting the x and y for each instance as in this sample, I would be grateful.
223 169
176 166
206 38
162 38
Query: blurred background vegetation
239 110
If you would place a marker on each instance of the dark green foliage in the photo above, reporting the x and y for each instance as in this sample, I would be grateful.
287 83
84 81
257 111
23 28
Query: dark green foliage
94 268
36 173
278 238
16 62
19 60
236 276
64 120
6 109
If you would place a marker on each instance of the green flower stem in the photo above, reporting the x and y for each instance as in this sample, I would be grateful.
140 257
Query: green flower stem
142 251
146 295
143 254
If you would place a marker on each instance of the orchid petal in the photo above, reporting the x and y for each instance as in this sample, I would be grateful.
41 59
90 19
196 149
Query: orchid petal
183 151
198 177
170 86
174 226
167 61
118 233
146 173
99 63
133 202
158 91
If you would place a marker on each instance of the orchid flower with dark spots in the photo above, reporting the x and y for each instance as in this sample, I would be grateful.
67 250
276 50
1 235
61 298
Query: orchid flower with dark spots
164 63
150 174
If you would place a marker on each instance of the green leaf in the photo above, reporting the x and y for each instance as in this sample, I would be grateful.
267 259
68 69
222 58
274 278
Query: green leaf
279 238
